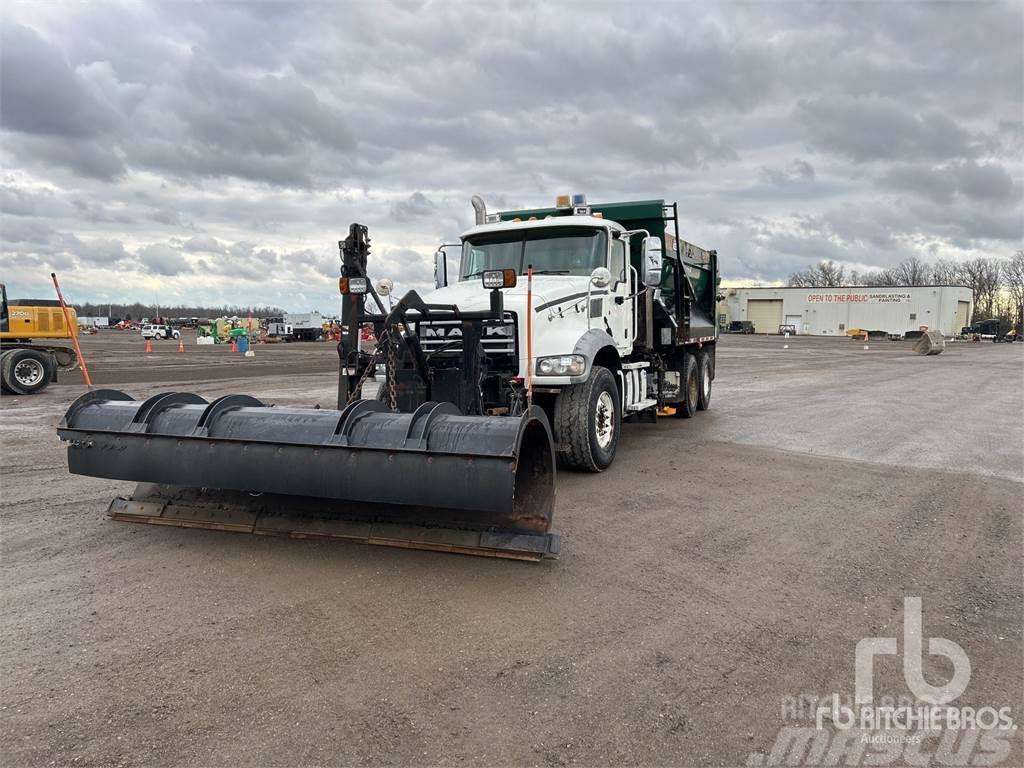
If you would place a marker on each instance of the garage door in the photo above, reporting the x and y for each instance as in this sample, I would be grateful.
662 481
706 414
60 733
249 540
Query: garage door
765 314
963 310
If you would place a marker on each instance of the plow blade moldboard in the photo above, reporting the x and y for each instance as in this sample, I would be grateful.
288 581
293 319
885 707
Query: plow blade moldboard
432 479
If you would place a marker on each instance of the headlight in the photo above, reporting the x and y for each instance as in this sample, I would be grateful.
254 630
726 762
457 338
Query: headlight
563 365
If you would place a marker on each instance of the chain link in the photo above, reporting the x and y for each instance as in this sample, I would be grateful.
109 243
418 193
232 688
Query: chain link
386 340
370 368
392 392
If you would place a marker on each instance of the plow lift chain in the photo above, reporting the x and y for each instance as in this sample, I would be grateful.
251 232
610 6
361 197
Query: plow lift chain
385 341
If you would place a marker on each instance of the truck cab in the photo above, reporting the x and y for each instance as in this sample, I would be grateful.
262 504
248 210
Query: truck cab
606 315
581 294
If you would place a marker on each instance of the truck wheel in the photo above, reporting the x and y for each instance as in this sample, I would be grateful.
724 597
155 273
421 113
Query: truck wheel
703 381
25 371
687 407
588 420
3 381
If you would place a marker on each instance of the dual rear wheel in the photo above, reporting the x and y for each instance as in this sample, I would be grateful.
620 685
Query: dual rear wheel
696 377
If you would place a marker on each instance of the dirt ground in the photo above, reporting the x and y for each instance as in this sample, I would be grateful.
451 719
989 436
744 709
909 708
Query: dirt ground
716 579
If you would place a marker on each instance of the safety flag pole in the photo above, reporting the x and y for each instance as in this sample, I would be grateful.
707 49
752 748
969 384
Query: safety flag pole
529 335
74 334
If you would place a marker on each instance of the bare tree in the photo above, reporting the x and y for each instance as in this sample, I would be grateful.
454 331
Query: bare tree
824 274
913 271
1013 275
881 278
984 276
137 310
991 282
970 274
946 272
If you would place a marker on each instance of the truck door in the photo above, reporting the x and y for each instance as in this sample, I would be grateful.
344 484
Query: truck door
618 309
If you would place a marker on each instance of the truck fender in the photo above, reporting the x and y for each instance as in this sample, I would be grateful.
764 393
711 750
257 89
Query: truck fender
589 345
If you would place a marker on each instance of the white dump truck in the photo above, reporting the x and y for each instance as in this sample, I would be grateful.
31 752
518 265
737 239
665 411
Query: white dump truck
555 326
622 316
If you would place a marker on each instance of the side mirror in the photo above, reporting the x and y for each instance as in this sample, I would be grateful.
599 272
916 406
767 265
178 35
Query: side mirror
601 277
440 269
652 261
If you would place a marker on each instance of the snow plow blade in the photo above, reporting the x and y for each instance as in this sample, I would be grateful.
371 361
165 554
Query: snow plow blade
432 479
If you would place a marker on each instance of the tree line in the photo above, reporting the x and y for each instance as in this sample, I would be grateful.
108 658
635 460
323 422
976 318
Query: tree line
137 311
997 284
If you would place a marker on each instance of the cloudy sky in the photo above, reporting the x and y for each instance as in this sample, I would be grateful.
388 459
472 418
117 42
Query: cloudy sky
178 152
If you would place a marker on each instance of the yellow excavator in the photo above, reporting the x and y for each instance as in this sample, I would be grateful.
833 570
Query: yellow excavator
28 361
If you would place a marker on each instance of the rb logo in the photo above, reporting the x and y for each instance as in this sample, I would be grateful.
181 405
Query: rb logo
936 695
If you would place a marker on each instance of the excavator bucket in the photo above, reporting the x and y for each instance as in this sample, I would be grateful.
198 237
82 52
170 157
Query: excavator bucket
432 479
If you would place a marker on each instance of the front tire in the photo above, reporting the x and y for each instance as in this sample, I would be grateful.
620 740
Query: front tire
25 371
588 420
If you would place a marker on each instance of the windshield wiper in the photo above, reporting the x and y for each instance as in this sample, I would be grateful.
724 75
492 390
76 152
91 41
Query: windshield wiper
551 271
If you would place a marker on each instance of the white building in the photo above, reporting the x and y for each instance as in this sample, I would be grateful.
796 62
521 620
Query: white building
834 311
85 321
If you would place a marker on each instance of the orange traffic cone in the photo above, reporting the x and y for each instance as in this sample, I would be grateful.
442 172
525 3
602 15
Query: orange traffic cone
181 346
149 346
234 345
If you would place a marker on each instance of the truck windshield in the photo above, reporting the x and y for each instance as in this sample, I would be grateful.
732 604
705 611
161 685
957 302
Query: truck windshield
559 251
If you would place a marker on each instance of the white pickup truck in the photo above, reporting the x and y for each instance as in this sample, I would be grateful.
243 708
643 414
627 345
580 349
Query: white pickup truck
150 331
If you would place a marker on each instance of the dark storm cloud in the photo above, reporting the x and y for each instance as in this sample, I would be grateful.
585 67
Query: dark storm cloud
875 128
17 202
798 172
413 207
203 244
236 141
41 93
162 259
986 182
101 251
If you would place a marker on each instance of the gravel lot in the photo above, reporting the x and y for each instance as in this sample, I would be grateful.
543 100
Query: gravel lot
722 569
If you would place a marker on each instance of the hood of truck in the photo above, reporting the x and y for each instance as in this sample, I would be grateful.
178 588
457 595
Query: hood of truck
554 333
470 295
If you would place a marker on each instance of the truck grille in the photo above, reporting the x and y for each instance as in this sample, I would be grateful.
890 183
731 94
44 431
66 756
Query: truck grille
498 337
